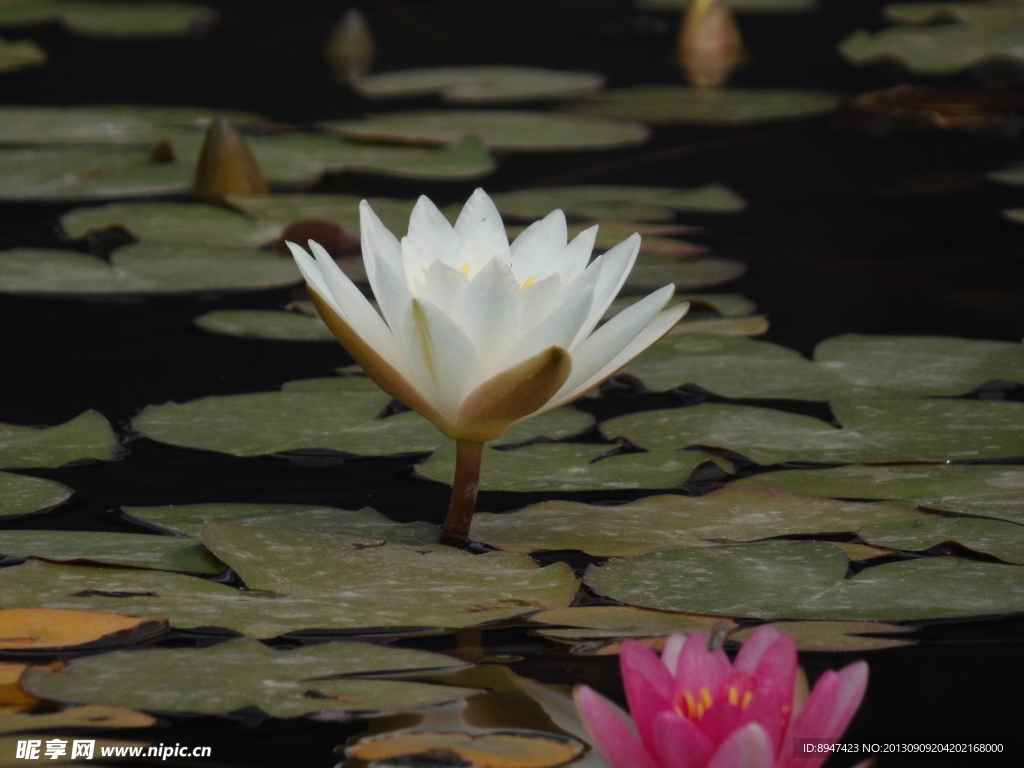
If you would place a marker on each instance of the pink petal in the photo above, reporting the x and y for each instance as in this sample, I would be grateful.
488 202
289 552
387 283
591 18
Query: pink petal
670 653
755 646
679 743
648 685
611 731
698 668
749 747
778 664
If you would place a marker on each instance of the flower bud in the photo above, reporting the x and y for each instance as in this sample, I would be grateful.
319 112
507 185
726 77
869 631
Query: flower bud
350 50
226 165
709 46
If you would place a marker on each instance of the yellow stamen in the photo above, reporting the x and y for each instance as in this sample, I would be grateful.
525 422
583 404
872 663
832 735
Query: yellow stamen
465 269
529 281
747 698
734 696
691 704
705 698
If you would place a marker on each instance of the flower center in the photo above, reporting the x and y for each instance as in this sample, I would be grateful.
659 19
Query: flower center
528 282
692 707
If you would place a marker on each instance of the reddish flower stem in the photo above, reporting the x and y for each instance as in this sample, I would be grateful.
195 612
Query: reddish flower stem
464 489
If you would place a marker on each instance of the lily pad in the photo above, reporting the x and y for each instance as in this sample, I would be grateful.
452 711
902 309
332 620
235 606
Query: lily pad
918 366
479 85
875 431
807 580
93 716
20 494
991 537
130 549
727 305
1015 214
657 523
596 622
182 223
1013 175
305 580
500 749
569 467
365 523
689 275
986 490
990 12
340 209
265 324
243 673
87 436
144 268
740 6
841 636
24 629
941 49
726 326
617 202
20 54
668 104
498 129
111 19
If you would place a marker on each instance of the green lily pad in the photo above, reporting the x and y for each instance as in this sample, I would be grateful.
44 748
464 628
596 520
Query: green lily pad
144 268
111 19
20 54
337 414
265 324
107 124
131 549
1012 175
20 494
617 202
918 366
740 6
721 326
479 85
305 580
657 523
668 104
87 436
941 49
1015 215
243 673
181 223
597 622
340 209
365 523
498 129
875 431
991 12
807 580
689 275
986 490
569 467
991 537
837 636
722 304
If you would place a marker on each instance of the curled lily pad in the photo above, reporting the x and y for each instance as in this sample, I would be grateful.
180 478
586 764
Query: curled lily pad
658 523
617 202
861 553
186 223
569 467
35 628
842 636
609 621
986 490
131 549
364 523
689 275
665 104
477 85
111 19
991 537
740 6
243 673
498 129
875 431
504 749
20 54
807 580
87 436
340 209
265 324
144 268
723 304
20 494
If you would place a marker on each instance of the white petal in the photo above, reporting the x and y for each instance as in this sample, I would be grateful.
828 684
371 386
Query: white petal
557 329
574 257
489 311
311 272
534 251
416 261
481 233
477 208
430 229
539 300
443 286
393 296
376 239
355 310
444 361
617 263
586 358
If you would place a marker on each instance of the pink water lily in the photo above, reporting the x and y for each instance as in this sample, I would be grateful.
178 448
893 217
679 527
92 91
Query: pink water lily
692 708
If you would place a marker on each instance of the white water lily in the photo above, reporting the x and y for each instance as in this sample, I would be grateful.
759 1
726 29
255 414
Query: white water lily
477 335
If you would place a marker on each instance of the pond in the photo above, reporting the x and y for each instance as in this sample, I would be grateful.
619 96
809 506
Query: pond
831 439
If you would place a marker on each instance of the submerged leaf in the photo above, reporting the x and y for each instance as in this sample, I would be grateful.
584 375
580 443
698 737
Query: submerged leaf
480 85
35 628
87 436
20 494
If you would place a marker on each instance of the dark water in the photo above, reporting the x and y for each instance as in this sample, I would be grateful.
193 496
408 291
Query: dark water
847 231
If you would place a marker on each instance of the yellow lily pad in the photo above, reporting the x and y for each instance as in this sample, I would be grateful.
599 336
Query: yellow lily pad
20 54
36 628
90 716
501 749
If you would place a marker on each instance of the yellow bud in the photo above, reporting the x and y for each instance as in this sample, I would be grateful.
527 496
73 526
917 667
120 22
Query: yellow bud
350 50
226 165
709 46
